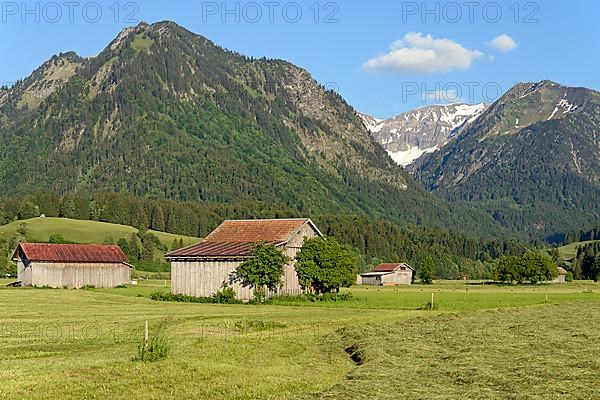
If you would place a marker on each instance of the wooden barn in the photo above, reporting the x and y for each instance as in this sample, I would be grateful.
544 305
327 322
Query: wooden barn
562 275
389 274
200 270
71 265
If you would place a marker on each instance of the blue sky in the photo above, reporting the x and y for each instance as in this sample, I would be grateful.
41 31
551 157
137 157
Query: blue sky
383 57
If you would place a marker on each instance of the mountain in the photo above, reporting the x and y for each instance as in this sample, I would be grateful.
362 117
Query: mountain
44 81
408 136
164 113
532 160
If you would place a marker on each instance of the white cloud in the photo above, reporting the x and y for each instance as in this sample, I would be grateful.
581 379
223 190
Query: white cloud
503 43
418 53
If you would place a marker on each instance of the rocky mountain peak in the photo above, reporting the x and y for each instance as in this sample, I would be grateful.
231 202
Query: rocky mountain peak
44 81
408 136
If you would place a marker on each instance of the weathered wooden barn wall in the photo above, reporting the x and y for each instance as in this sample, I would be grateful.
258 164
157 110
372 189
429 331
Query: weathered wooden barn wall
371 280
205 278
397 278
291 284
77 275
23 274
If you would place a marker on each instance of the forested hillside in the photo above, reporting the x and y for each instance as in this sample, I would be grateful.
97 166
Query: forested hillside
531 161
166 114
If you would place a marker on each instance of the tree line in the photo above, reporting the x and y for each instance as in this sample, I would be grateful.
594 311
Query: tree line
586 264
376 240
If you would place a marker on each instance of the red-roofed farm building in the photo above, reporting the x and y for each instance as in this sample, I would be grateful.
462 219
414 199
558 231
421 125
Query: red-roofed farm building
389 274
201 269
71 265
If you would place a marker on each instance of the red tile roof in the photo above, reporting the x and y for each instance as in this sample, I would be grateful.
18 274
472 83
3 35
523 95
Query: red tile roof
390 267
252 231
562 271
85 253
236 238
215 249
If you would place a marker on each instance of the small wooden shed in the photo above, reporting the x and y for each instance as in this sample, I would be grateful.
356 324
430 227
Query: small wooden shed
562 275
389 274
201 270
71 265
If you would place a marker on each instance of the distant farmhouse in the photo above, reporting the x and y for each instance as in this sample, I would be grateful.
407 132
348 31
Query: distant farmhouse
71 265
201 269
389 274
562 275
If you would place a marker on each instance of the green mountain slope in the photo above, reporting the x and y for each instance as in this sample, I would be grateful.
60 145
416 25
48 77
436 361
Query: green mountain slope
164 113
532 160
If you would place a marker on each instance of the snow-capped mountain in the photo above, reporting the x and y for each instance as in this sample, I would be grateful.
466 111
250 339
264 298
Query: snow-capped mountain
408 136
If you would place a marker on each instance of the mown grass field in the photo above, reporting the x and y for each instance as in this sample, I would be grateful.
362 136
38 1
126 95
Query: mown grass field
483 342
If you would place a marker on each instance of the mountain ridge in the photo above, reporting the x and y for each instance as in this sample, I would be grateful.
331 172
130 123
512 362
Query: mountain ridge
165 113
532 158
408 136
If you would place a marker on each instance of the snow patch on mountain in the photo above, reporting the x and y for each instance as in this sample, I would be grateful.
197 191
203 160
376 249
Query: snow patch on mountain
408 136
407 157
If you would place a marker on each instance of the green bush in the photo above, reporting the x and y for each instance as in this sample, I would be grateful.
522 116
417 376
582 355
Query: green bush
226 296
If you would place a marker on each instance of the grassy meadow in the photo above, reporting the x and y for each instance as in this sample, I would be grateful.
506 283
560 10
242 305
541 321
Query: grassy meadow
569 251
480 342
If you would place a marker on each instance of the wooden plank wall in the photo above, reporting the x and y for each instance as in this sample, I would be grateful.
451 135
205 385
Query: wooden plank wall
78 275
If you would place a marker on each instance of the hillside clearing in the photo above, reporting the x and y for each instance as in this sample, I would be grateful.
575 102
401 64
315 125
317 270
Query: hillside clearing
569 251
81 231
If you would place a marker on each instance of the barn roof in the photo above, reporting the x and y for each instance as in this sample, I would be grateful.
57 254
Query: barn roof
562 271
382 273
390 267
85 253
216 249
258 230
236 237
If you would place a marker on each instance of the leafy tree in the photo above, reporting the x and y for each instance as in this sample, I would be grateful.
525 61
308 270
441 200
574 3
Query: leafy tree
135 248
147 253
508 270
538 267
427 272
124 245
324 265
28 210
263 270
532 267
